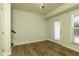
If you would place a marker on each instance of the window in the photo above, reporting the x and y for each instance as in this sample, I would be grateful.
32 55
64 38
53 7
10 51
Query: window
76 28
57 30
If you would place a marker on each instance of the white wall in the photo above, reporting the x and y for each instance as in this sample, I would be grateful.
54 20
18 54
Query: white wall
66 30
29 27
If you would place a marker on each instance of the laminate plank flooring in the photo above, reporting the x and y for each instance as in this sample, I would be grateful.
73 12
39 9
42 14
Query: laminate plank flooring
43 48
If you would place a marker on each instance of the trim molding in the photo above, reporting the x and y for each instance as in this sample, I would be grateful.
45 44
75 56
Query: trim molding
66 46
20 43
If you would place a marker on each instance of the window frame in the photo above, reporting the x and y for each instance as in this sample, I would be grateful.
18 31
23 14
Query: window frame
57 19
72 20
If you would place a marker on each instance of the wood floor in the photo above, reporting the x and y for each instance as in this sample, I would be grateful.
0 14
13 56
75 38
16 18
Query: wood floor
44 48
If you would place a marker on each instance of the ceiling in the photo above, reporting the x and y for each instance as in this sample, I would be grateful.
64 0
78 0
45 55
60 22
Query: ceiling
35 7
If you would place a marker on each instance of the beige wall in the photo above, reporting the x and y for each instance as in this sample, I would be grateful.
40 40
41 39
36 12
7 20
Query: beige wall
66 29
29 27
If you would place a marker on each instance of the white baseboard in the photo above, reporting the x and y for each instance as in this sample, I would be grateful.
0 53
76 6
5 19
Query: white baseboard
66 46
20 43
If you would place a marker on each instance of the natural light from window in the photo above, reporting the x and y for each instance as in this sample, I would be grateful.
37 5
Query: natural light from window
76 29
57 30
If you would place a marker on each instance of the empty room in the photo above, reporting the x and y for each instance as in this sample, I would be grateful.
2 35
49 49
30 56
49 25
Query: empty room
39 29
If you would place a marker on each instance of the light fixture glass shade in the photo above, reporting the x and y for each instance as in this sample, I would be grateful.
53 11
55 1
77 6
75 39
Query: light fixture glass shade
42 6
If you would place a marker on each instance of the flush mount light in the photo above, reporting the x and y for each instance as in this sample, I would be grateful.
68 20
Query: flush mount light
42 6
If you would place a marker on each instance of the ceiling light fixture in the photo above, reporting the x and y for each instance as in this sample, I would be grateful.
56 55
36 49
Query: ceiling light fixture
42 6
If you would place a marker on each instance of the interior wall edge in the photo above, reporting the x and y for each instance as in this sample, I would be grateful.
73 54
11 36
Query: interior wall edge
21 43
